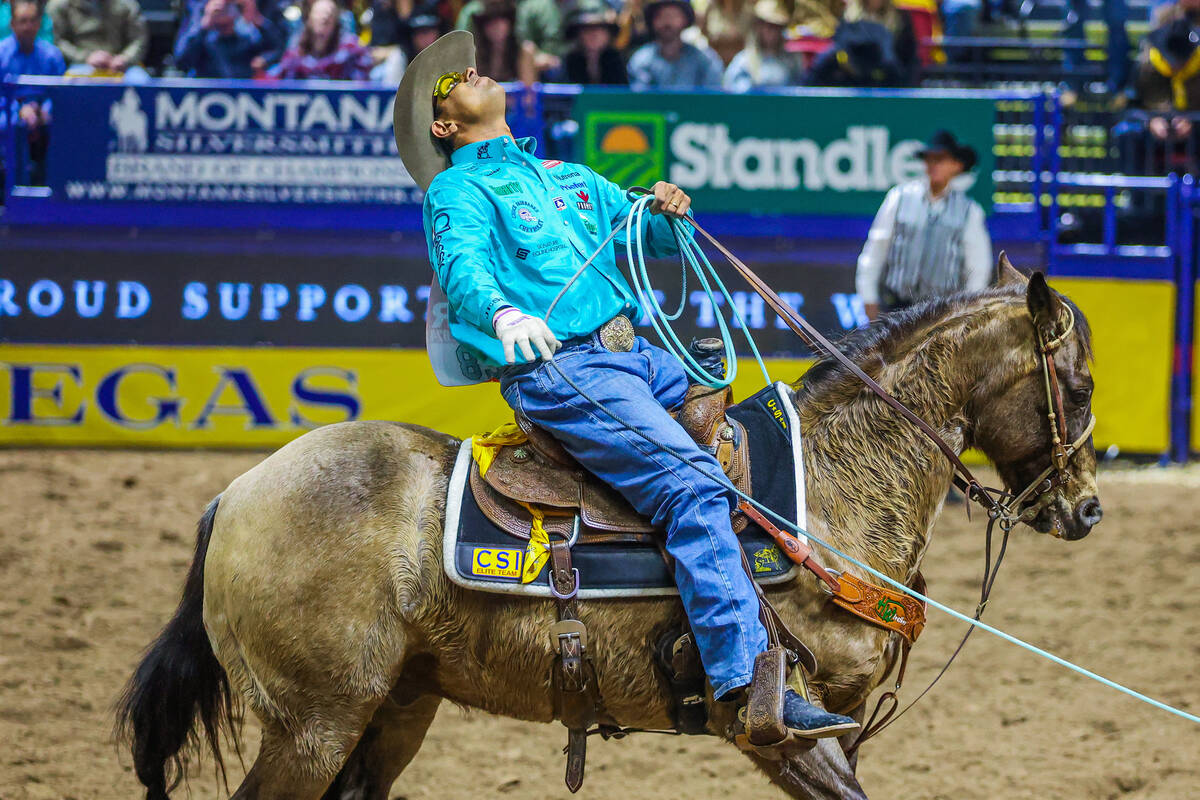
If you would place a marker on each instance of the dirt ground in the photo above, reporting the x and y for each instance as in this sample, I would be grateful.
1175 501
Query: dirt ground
94 546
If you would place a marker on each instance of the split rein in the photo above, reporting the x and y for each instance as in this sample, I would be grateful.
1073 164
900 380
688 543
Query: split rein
1003 508
1007 512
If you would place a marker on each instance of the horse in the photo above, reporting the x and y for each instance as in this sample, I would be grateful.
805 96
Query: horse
317 595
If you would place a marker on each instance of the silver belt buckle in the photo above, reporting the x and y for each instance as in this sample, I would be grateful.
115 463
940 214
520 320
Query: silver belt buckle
617 334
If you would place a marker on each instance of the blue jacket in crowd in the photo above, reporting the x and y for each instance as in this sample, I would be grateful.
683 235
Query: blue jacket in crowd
211 54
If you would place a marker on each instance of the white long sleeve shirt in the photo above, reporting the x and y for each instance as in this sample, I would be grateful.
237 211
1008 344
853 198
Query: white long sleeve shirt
976 245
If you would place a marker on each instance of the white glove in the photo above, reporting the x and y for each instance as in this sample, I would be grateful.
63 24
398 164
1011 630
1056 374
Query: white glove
514 328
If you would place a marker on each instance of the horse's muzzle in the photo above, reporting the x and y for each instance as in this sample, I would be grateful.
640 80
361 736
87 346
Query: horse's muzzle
1086 516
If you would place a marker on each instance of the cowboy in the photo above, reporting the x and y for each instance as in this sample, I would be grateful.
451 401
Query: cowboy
929 238
506 233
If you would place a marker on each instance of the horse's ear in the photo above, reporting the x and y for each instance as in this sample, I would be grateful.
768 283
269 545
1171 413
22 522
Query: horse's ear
1007 274
1044 305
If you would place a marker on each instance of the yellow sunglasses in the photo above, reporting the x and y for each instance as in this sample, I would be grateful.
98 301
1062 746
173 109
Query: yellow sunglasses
446 83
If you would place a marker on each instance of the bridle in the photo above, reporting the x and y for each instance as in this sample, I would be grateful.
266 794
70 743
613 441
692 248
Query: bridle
1054 475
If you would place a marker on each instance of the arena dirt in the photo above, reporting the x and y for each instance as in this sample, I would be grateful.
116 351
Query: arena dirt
94 546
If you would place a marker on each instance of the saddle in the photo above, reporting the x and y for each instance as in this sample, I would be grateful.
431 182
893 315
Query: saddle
538 483
540 473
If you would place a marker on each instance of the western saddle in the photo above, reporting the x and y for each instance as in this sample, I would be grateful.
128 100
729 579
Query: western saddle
540 473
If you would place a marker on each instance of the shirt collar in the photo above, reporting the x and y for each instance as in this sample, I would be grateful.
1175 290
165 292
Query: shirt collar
502 148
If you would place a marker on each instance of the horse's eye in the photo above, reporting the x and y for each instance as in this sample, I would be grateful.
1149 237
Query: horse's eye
1080 396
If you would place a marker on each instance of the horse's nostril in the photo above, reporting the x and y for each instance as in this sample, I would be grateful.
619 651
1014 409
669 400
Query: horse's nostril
1090 512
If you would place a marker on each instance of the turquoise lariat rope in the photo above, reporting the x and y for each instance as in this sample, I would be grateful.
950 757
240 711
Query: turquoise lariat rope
691 257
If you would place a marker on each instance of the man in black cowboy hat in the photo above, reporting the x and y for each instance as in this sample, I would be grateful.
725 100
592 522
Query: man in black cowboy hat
929 238
507 233
668 62
592 59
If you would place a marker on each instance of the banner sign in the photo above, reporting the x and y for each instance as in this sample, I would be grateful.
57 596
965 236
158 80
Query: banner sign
778 154
223 143
237 397
212 294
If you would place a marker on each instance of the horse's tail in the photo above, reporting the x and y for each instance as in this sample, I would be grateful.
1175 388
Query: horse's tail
178 682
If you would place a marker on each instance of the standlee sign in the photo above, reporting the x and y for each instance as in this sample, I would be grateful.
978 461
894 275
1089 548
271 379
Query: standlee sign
777 154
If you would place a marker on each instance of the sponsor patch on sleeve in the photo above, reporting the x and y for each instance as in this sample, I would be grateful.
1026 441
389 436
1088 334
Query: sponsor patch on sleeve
497 562
550 164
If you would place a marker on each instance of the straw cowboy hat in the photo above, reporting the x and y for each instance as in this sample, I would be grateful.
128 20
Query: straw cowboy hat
771 12
413 112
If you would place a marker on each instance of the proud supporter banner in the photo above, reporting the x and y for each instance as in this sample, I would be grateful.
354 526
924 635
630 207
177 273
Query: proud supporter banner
778 154
192 291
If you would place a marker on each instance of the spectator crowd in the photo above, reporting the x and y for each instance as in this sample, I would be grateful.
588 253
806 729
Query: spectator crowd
729 45
734 45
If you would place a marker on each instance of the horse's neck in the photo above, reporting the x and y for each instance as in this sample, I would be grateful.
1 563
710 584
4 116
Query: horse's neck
875 482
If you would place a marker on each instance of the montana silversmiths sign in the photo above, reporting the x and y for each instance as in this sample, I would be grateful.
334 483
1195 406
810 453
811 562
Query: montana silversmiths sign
777 154
227 143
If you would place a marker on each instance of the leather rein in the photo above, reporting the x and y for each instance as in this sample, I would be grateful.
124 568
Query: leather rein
1006 511
883 606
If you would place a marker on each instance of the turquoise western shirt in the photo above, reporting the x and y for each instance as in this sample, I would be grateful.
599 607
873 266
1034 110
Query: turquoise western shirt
505 228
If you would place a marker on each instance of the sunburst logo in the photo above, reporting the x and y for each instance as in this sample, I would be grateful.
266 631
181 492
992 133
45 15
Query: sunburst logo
628 148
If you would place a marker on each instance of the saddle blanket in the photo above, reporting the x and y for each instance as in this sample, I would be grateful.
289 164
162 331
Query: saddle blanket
476 554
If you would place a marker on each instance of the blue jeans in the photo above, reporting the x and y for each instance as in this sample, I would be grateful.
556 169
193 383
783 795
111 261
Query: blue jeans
1116 12
639 387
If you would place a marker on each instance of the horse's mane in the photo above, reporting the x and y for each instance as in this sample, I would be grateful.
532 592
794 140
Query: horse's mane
881 337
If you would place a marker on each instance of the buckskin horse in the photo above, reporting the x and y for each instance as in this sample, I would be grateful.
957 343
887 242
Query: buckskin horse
317 595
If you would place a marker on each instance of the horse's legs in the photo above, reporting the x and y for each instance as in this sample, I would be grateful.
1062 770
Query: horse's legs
293 766
389 743
823 773
280 772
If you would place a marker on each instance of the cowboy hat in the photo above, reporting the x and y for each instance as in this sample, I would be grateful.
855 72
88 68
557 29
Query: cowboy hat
943 141
771 12
1175 41
653 8
413 112
591 13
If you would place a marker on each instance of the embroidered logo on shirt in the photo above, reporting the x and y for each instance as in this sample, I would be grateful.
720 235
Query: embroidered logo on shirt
512 187
482 152
583 203
551 164
559 203
587 223
525 215
441 224
522 253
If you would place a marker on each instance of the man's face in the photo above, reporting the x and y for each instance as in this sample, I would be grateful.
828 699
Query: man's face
476 100
669 23
940 166
25 23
